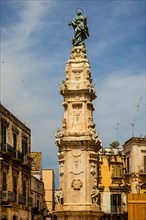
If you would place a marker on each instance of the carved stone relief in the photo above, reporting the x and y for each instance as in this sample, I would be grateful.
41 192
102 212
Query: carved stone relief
77 120
77 161
77 73
78 53
76 184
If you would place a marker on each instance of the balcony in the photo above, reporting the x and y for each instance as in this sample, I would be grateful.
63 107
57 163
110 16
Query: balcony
16 154
21 199
29 201
116 209
27 160
7 149
8 196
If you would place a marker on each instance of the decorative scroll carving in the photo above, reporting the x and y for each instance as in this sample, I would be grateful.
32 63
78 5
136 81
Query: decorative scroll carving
59 135
94 195
61 156
61 170
64 124
78 53
76 184
93 169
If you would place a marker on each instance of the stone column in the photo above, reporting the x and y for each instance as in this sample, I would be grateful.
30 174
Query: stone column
78 143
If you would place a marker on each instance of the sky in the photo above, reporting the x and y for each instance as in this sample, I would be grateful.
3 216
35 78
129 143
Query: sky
35 47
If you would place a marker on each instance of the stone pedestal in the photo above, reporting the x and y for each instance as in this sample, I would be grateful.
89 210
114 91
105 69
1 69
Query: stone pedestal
79 215
78 144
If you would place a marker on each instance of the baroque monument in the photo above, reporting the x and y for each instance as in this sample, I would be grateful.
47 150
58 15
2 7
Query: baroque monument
78 142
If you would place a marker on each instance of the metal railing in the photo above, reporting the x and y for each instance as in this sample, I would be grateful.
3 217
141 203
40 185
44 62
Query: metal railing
8 196
21 199
29 201
16 154
116 209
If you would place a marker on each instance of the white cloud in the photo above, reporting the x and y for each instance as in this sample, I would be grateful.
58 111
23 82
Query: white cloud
117 97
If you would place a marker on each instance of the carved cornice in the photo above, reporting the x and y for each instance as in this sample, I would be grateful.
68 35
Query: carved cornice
116 188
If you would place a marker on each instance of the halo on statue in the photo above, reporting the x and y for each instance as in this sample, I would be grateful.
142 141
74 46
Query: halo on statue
79 10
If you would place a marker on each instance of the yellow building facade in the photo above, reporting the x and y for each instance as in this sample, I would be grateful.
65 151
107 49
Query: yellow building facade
49 188
113 199
135 162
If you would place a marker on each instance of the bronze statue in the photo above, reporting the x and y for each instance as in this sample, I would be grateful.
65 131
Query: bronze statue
79 24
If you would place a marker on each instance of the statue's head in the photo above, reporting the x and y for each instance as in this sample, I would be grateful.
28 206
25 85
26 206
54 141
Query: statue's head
79 11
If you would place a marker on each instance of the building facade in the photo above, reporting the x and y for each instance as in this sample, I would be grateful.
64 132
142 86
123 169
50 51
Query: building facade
49 196
113 196
37 194
15 168
37 187
135 163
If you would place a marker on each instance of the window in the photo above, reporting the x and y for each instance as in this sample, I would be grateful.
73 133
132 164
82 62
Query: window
115 199
128 165
15 143
24 147
24 187
115 203
15 184
4 181
117 171
4 137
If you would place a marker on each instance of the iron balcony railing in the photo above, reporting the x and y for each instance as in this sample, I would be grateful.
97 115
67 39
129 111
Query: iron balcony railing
29 201
116 209
16 154
8 196
6 148
21 199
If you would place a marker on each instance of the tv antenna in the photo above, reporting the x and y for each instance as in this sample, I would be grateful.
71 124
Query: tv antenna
133 122
117 128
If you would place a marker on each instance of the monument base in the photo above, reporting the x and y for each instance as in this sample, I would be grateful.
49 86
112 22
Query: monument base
85 214
79 215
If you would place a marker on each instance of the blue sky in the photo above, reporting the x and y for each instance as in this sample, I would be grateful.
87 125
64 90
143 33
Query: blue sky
35 46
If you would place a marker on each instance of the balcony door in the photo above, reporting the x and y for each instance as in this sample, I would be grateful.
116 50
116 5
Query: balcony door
116 203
